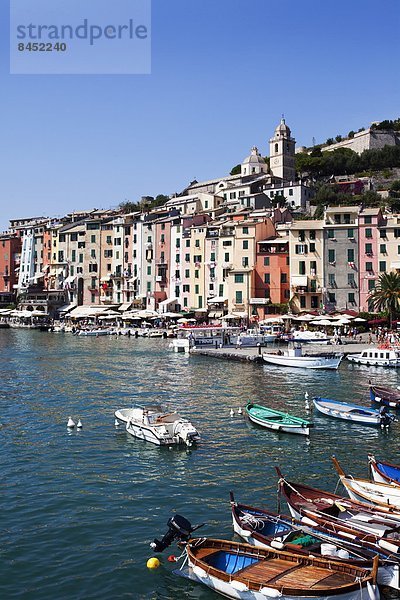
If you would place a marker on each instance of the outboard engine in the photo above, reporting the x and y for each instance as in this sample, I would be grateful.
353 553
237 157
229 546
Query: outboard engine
186 432
179 529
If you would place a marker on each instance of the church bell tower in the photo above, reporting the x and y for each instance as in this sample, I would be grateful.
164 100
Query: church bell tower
281 151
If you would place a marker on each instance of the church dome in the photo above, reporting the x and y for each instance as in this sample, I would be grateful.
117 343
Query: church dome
255 158
282 129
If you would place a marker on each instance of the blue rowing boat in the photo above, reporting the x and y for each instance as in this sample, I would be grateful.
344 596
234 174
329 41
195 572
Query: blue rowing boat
353 412
383 472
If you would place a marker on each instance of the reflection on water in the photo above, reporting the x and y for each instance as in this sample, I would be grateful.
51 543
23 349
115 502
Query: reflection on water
80 508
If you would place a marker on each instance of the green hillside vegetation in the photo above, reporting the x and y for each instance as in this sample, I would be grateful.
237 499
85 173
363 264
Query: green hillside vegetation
344 161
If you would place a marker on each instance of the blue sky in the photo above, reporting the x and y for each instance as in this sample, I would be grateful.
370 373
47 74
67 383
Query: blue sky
222 73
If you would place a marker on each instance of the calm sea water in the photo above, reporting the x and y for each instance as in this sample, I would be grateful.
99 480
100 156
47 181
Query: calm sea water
79 509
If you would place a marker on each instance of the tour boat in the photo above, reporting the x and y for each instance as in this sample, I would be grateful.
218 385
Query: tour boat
384 395
379 356
264 529
380 494
352 412
383 472
294 357
154 424
277 420
240 571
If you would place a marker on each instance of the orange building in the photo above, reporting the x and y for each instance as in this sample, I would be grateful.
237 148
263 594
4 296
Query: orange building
10 254
272 277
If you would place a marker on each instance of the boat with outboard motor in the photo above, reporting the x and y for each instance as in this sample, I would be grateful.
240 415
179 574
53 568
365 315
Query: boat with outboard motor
154 424
353 412
243 572
262 528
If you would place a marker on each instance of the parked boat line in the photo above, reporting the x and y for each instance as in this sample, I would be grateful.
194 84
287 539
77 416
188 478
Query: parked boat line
255 354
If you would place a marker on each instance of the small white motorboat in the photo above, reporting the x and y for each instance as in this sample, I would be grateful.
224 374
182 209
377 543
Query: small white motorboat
294 357
154 424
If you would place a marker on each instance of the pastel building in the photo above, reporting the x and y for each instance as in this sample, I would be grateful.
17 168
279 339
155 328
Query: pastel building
10 256
306 257
341 258
370 222
272 275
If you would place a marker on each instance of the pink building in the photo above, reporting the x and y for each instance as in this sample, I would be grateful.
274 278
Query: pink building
369 222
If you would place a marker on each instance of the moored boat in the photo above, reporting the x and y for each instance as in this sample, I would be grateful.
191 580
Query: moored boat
241 571
372 525
383 472
265 529
277 420
378 356
352 412
294 357
156 425
381 494
309 337
384 395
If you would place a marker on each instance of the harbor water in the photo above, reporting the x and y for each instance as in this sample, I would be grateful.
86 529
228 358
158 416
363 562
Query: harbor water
79 508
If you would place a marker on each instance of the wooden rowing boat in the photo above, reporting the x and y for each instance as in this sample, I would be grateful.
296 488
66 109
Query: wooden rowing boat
384 395
262 528
277 420
363 490
241 571
366 524
383 472
351 412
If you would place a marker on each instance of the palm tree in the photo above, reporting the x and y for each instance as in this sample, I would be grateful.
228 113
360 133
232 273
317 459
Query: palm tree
386 295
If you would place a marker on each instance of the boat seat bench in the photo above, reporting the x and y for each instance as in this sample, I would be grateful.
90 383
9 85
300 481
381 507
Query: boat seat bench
285 574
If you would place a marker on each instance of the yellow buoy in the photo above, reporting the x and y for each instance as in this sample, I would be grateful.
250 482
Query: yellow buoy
153 563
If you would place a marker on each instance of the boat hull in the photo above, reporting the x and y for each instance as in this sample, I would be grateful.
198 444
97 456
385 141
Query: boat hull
304 362
279 426
388 572
341 410
240 571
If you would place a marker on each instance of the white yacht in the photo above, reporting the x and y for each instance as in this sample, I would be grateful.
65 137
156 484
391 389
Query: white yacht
154 424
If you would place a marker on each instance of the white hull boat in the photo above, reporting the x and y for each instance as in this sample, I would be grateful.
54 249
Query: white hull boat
310 337
154 425
352 412
362 490
380 356
293 357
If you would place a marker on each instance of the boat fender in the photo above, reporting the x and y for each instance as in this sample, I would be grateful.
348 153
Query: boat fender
270 592
199 572
239 586
277 545
388 546
308 521
245 533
